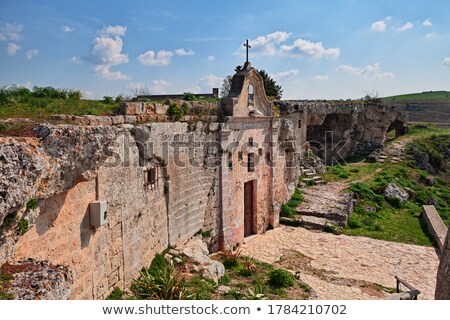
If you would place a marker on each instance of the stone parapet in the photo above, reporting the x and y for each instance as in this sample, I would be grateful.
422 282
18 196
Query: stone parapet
436 226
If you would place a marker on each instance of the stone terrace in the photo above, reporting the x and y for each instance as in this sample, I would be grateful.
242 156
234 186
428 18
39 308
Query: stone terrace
339 264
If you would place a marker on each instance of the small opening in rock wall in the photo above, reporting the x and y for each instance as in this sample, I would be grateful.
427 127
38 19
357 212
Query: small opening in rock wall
251 162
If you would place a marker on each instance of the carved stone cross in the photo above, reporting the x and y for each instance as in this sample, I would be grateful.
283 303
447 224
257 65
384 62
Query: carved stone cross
247 46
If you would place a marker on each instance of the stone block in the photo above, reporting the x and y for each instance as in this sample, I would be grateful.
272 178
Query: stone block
118 120
130 119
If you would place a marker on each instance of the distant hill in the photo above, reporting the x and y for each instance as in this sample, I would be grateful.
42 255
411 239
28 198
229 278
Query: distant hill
429 106
427 95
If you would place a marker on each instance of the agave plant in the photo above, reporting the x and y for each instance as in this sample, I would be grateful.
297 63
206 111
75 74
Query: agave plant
163 284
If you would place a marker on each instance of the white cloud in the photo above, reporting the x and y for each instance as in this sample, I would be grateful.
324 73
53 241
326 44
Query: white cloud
105 72
320 78
105 53
31 53
378 26
211 58
160 58
427 22
159 86
67 29
10 31
447 61
195 89
75 59
182 52
135 85
212 81
371 71
12 49
306 48
431 35
406 26
113 31
280 76
266 45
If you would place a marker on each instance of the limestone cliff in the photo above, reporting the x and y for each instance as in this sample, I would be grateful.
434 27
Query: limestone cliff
54 162
337 130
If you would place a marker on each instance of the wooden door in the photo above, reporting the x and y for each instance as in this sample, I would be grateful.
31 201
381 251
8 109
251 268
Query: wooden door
248 208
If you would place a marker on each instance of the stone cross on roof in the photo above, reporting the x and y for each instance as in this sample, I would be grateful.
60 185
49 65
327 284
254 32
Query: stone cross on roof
247 46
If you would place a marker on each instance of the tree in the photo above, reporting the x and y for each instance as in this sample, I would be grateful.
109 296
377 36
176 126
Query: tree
226 86
270 85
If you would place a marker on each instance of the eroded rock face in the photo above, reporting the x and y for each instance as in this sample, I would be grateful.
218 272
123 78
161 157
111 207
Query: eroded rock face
337 130
61 157
37 280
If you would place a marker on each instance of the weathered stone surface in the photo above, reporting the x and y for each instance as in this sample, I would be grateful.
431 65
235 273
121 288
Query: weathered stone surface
349 259
38 280
394 191
197 250
223 290
436 226
325 204
443 274
423 162
345 128
39 169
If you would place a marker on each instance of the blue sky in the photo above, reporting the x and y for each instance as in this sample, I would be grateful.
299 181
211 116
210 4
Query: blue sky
314 49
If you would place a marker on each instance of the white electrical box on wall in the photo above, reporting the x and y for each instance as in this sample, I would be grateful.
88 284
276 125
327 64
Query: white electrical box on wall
97 213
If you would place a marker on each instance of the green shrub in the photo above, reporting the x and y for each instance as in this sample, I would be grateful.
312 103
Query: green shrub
158 263
339 171
189 96
108 100
175 112
280 278
231 258
22 227
116 294
8 221
185 108
287 211
353 222
32 204
225 280
396 202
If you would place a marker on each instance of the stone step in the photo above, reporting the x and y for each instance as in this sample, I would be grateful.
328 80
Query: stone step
316 222
382 156
335 218
317 178
310 174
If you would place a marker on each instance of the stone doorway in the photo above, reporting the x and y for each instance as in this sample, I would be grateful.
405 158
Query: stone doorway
249 207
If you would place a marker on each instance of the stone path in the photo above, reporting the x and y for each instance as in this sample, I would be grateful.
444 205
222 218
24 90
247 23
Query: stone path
344 267
326 203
